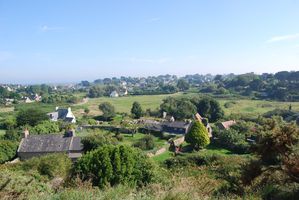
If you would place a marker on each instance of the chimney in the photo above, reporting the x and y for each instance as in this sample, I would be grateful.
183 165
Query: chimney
70 133
26 133
164 115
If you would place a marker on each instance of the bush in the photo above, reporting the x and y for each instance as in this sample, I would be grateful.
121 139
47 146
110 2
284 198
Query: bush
97 140
145 143
112 165
232 140
191 160
8 150
108 110
52 165
31 116
45 127
197 136
12 134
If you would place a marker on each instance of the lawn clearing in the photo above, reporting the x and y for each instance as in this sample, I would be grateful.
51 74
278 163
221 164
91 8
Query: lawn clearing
162 157
255 107
124 104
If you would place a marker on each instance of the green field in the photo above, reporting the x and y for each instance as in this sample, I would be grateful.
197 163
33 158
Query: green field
256 106
124 104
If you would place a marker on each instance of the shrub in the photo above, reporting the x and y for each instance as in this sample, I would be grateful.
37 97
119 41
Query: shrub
108 110
232 140
198 136
97 140
12 134
31 116
145 143
8 150
136 110
45 127
112 165
52 165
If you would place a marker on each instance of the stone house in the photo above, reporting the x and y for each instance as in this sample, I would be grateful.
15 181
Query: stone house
39 145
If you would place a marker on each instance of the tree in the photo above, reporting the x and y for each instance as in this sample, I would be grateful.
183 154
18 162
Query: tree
136 110
108 110
209 108
12 134
198 136
45 127
183 85
8 150
30 117
185 110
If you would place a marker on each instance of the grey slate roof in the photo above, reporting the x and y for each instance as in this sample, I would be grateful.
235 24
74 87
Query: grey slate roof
177 124
49 143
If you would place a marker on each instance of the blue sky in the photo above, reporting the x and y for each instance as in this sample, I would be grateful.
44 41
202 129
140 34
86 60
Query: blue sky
72 40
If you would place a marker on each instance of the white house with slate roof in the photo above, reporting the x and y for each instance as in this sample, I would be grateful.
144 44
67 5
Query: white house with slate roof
39 145
62 114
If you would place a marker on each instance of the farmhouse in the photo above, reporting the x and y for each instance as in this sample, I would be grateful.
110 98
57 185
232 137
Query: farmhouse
114 94
62 114
174 127
226 125
38 145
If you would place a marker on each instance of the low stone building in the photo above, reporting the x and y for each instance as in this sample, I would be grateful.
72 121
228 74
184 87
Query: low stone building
226 125
39 145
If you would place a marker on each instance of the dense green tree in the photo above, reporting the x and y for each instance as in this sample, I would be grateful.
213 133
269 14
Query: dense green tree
45 127
183 85
96 91
12 134
185 110
136 110
108 110
96 140
8 150
31 116
198 136
209 108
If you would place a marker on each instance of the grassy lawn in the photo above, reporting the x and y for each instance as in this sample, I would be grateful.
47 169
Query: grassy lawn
256 106
124 104
129 140
162 157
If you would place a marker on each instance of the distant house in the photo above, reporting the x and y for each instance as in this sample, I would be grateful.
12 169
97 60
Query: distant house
114 94
62 114
124 92
27 100
226 125
36 97
39 145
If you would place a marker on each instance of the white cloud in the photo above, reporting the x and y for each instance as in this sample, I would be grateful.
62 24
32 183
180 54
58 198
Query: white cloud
283 38
46 28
